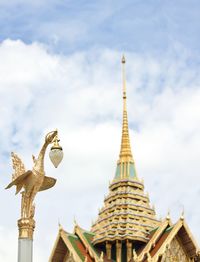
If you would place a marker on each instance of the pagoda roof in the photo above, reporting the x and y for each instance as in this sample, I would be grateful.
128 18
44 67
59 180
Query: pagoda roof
126 214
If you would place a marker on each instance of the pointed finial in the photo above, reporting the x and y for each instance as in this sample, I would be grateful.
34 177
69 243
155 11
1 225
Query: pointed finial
124 79
168 215
123 59
75 223
60 226
182 214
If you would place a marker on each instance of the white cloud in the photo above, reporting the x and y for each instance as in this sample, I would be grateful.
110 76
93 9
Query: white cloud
80 94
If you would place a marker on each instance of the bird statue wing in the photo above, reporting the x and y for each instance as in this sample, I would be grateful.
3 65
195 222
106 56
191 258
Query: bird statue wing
18 166
20 173
48 182
19 181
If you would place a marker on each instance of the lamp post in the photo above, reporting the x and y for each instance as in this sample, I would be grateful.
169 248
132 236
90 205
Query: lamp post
32 181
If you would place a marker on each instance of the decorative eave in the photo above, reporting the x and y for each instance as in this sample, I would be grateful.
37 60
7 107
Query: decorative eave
190 244
119 237
127 182
80 232
63 235
156 235
55 246
70 246
76 246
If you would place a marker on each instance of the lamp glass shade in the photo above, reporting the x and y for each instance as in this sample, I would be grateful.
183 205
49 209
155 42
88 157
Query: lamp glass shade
56 156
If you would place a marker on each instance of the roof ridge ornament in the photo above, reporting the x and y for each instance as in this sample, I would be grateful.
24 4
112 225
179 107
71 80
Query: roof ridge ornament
60 226
182 214
168 215
75 222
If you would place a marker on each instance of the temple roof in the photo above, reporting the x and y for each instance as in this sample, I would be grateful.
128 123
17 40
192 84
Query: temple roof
79 245
127 216
127 213
161 239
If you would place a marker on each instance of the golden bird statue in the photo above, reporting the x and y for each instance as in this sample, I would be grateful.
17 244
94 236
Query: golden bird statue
32 181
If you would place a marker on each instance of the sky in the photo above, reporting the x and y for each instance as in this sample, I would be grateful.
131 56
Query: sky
60 68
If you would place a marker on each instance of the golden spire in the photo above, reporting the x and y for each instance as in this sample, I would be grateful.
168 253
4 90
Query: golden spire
125 152
125 189
125 165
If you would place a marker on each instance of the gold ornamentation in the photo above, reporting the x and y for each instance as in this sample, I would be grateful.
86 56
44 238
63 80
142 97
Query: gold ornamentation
32 181
125 152
168 215
26 227
175 253
182 214
127 214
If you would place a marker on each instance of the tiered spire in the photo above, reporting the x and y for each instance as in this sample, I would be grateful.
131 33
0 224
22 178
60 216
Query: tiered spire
126 217
125 165
125 152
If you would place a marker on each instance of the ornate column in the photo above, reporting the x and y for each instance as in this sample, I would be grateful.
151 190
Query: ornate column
118 251
129 250
108 250
25 240
26 226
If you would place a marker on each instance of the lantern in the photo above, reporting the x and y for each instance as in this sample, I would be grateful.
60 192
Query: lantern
56 153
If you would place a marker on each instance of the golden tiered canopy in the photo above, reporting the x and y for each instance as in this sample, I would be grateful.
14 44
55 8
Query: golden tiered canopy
126 215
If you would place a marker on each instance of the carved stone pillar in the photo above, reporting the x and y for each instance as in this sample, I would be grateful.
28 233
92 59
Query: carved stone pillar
118 251
108 250
129 250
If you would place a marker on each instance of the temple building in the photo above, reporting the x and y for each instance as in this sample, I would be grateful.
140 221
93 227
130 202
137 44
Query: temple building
127 228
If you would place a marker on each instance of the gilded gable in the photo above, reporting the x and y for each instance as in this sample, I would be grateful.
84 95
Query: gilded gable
175 252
